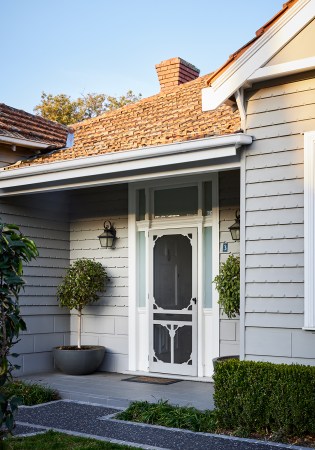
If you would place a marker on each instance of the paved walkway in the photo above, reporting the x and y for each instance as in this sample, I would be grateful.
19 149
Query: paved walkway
97 422
110 389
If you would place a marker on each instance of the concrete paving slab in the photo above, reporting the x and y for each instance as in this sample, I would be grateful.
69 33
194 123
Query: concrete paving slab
110 389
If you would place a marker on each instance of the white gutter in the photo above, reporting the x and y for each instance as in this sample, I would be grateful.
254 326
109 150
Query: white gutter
235 140
23 142
124 164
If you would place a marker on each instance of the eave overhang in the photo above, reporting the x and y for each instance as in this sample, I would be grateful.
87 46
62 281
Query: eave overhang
23 142
192 156
244 70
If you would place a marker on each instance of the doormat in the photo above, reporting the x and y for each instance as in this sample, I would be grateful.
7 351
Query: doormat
151 380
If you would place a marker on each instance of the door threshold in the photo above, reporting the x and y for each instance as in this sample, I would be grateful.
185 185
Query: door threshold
165 375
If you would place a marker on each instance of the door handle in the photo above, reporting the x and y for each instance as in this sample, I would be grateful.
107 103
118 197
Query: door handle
194 300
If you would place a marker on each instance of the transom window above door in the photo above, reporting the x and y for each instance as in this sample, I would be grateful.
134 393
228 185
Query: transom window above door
175 201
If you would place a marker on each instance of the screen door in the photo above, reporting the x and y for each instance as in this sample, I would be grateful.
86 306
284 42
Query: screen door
173 301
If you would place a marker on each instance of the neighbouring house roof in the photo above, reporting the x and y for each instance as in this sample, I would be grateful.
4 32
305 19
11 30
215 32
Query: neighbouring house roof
232 58
18 124
174 115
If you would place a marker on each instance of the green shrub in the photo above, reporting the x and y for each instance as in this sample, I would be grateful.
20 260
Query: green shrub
257 396
162 413
227 283
30 393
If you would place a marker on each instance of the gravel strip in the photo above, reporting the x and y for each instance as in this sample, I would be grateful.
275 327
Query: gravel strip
25 430
93 420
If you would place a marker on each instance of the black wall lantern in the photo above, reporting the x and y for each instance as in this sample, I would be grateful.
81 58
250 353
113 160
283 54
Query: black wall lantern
235 228
108 236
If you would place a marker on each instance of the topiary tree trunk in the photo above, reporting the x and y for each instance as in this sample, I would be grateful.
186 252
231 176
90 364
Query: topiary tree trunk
14 250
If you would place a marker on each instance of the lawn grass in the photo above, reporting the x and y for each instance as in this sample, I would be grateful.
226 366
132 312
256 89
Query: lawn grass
59 441
30 393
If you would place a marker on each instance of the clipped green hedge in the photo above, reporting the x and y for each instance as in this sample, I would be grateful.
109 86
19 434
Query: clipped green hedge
254 396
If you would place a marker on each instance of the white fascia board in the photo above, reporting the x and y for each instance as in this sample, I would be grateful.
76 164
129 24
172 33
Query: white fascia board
288 68
22 142
126 161
258 54
125 178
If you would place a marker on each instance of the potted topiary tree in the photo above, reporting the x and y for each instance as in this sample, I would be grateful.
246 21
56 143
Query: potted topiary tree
83 281
227 283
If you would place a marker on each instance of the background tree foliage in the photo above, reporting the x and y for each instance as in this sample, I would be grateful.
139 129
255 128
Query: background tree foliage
61 108
14 250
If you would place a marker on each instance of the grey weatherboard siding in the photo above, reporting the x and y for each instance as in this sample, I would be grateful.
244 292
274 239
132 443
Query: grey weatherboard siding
105 322
65 226
42 218
278 113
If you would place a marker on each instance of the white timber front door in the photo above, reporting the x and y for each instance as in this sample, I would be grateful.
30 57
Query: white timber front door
173 301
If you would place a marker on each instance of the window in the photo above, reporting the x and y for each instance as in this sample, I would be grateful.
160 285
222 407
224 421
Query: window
193 199
181 201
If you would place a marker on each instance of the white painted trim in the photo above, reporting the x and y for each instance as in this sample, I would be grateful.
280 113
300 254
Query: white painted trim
128 178
239 97
215 265
23 142
283 69
132 280
309 227
242 254
208 339
200 301
258 54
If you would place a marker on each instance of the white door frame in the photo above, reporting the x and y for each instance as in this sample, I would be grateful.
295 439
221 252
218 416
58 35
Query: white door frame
139 315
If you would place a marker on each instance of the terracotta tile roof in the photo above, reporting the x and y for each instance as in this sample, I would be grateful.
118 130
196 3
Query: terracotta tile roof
18 124
243 49
171 116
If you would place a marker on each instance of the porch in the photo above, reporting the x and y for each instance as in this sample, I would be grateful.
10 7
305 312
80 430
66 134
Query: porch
112 390
176 225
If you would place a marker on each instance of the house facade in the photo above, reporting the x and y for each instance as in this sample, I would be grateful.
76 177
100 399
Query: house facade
166 175
170 173
274 88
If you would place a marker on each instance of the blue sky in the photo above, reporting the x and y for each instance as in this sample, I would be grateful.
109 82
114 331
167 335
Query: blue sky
108 46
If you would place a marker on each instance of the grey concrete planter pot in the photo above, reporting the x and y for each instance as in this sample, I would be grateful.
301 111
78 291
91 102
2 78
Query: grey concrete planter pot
216 361
72 361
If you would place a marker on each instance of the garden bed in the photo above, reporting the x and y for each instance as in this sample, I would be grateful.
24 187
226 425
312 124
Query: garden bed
30 393
273 402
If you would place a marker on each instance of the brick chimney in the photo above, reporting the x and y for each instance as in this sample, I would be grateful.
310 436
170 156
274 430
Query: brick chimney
175 71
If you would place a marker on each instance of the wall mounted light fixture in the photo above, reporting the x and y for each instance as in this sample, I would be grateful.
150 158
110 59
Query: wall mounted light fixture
108 236
235 228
